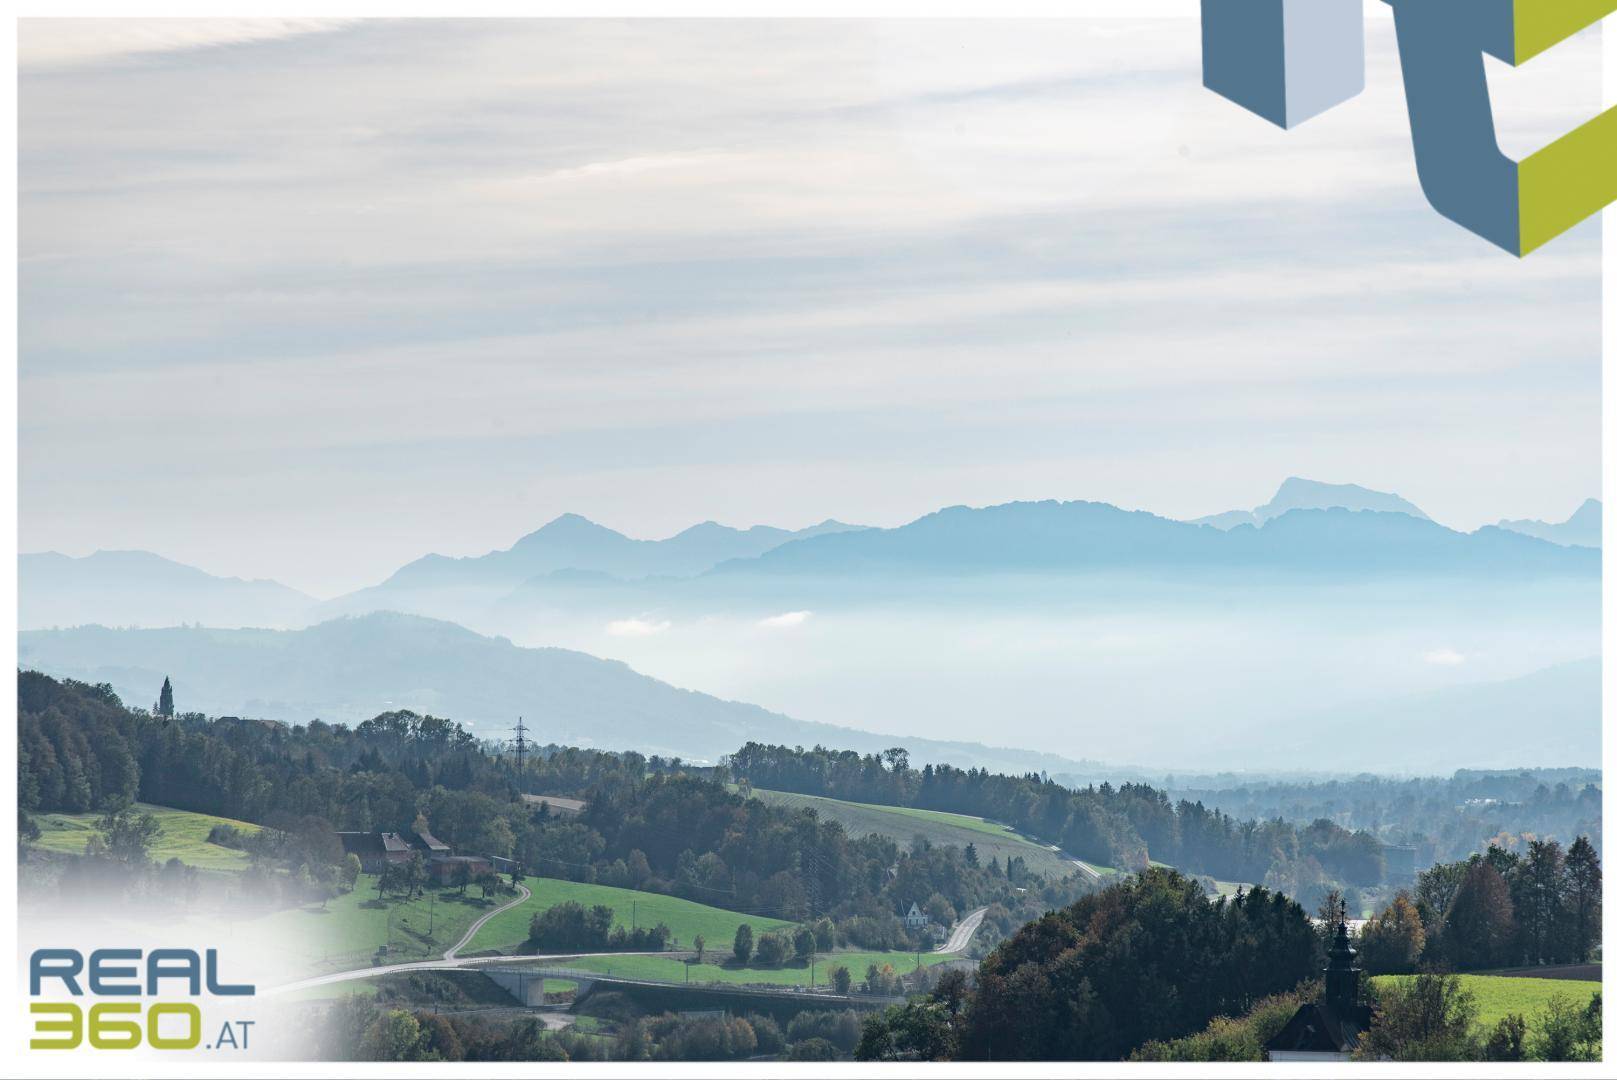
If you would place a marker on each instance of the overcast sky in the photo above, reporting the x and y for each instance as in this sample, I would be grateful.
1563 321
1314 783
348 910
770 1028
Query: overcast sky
307 299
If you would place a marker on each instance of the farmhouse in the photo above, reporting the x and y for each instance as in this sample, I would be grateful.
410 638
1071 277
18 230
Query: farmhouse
916 919
379 850
376 850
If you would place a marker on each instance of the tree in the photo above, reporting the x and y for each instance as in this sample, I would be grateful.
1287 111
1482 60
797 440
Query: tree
415 875
814 1049
351 869
1149 958
742 947
841 979
952 989
919 1030
825 935
1435 889
1480 926
393 1036
882 980
1564 1032
463 877
1426 1017
1583 897
701 947
774 948
971 854
1508 1040
803 943
165 700
1537 899
1391 942
1329 911
129 835
940 911
1237 1038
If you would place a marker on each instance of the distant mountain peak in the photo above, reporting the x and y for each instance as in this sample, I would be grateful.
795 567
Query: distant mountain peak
572 543
1582 529
569 522
1301 493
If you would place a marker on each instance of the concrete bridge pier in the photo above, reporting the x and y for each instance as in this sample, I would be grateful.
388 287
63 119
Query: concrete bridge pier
528 987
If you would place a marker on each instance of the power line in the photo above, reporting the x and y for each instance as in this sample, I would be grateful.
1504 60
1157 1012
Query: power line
522 752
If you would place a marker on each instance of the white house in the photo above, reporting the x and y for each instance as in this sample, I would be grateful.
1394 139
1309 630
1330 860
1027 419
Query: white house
916 919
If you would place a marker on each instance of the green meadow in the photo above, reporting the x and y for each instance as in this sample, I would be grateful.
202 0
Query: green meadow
508 931
345 931
1498 995
673 969
184 836
901 824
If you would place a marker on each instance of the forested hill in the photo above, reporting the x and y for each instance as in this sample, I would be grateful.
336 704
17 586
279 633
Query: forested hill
1117 826
650 824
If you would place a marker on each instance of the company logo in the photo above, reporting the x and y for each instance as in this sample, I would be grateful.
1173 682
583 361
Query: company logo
1288 60
171 985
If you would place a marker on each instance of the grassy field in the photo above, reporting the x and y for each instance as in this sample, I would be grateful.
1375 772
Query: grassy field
672 968
184 836
508 931
1499 994
902 824
345 933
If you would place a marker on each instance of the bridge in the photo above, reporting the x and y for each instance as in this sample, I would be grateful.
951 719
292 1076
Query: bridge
526 984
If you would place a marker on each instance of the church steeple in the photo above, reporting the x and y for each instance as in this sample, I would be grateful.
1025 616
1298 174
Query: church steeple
1341 977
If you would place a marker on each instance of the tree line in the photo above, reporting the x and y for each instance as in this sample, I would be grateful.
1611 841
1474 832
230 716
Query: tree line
1149 958
1125 826
649 824
1496 909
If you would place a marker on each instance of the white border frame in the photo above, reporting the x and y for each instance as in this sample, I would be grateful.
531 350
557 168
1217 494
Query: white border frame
11 1021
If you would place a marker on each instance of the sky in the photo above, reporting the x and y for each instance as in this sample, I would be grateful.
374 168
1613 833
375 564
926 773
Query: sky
305 299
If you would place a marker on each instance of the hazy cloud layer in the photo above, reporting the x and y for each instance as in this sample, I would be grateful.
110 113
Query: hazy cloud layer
305 299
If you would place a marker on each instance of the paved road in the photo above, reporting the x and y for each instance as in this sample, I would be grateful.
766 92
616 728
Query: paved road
959 938
451 952
963 930
1090 871
430 965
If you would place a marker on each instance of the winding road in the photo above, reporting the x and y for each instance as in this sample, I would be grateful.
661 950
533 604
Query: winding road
471 931
962 933
959 938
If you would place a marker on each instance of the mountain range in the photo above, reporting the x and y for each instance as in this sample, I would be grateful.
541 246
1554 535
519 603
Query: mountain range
571 542
1310 529
350 669
137 588
1296 493
1085 536
1582 529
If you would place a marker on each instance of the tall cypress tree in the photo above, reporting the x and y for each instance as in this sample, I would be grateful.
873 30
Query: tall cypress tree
165 699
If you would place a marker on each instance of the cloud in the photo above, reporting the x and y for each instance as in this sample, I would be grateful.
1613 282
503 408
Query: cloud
58 42
637 627
656 261
1445 657
786 620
